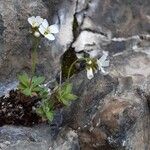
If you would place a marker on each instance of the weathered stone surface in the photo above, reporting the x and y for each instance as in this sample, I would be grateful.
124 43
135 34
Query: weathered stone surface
112 111
37 138
17 138
109 113
66 140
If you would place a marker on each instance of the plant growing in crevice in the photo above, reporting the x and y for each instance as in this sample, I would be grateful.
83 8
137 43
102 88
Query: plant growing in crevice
62 95
92 64
65 95
46 110
30 85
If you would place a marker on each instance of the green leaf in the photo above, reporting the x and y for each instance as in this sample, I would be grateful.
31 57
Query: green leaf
71 96
46 110
65 94
40 112
50 115
24 80
36 89
64 101
67 88
38 80
27 92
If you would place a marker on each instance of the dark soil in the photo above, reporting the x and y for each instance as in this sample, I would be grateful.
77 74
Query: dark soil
18 109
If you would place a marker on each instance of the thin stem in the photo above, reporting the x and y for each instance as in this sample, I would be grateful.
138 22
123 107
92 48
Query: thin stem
60 78
70 69
34 56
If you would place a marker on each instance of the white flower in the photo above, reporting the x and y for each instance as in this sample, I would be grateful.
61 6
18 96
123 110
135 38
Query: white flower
90 73
48 31
103 62
35 21
93 64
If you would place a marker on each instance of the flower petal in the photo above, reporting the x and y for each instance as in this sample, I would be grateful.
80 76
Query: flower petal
45 24
39 20
31 20
104 57
103 71
50 37
42 29
99 64
105 63
90 74
53 28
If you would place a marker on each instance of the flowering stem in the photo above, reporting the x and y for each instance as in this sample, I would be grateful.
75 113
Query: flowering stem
70 69
34 56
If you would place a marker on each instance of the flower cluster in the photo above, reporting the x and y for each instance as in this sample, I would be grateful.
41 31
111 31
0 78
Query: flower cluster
93 64
41 26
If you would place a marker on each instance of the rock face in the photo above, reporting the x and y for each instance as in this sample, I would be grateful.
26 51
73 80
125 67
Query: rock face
112 112
22 137
109 114
39 138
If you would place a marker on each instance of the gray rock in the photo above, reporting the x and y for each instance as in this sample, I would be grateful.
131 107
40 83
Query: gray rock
17 138
66 140
37 138
110 113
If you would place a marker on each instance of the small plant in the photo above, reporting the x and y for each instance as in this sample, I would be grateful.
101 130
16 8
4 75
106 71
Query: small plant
62 96
30 86
65 94
46 110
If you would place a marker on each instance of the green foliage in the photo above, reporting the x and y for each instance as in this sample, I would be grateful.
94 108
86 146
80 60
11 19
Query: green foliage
65 94
46 110
62 95
30 86
43 93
